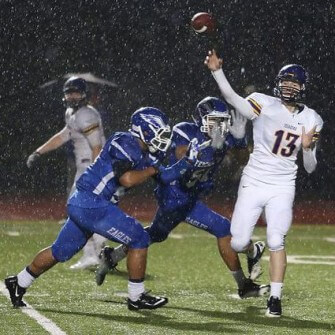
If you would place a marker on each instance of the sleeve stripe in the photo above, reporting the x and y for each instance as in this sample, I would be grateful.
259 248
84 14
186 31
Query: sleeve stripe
256 107
316 136
181 133
90 128
103 183
118 146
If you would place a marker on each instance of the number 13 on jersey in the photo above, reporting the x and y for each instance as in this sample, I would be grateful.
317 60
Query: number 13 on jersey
288 148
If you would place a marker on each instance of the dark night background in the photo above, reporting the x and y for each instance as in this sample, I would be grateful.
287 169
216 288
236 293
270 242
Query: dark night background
149 50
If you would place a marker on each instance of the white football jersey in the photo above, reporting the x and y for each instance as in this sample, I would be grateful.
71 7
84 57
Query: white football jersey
84 128
277 139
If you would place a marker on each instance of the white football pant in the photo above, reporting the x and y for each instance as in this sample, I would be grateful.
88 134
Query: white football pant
254 197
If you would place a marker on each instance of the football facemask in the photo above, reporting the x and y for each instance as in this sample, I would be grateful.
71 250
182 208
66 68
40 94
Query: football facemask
74 99
161 141
214 122
289 93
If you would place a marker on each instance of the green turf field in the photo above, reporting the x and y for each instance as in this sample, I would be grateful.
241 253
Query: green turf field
188 270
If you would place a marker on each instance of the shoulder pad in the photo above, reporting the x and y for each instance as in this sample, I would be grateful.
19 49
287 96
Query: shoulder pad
87 119
259 100
186 130
124 146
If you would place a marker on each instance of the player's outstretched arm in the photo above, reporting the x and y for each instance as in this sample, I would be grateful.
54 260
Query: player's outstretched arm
52 144
55 141
214 63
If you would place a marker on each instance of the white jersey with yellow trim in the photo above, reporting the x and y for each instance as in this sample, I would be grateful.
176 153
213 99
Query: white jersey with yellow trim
277 139
84 128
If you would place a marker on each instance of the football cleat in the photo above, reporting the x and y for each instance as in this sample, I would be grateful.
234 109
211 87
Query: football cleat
105 265
85 263
16 292
274 307
254 265
253 290
147 301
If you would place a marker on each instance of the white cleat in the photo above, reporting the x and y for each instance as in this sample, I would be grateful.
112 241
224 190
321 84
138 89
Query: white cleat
256 272
85 263
254 264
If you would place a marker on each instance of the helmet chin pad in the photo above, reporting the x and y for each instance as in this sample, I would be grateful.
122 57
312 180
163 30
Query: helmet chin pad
152 149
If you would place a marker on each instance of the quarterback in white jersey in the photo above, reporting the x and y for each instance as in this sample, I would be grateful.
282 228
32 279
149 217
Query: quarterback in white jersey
83 126
282 125
277 139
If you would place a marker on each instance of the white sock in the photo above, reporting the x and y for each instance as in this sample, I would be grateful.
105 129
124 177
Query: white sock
276 289
25 279
89 249
135 290
239 277
99 242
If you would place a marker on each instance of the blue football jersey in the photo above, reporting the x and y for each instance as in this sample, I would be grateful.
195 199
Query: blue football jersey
99 185
199 179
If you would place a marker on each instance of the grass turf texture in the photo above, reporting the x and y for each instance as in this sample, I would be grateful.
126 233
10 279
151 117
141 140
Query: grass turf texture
187 269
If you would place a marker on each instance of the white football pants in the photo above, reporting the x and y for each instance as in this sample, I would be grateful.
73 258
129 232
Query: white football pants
254 197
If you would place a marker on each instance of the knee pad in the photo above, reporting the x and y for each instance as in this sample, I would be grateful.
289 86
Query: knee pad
140 239
63 253
221 228
276 242
69 241
156 235
239 244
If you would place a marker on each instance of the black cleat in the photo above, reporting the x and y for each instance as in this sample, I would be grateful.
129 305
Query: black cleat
106 264
254 266
274 307
16 292
253 290
147 301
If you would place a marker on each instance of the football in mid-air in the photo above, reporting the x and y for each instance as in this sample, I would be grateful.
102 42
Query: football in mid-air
203 23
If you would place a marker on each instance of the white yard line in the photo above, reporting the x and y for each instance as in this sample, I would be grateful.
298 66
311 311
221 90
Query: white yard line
308 259
44 322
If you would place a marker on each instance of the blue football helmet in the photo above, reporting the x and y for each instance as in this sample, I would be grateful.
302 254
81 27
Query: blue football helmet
209 112
295 73
78 85
151 126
